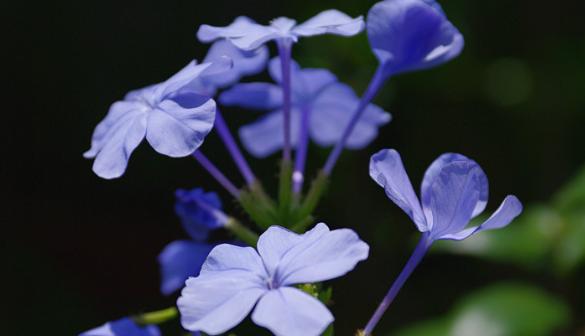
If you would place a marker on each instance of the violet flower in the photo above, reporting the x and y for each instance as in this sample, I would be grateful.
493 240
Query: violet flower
123 327
200 213
405 35
172 128
454 191
321 108
248 35
236 279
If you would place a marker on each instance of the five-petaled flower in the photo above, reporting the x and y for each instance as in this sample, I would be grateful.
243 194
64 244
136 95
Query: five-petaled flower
408 35
235 279
454 191
123 327
330 105
200 213
175 128
248 35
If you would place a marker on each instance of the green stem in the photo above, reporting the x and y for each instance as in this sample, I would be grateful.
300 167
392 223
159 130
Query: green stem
157 317
243 233
285 193
259 206
310 202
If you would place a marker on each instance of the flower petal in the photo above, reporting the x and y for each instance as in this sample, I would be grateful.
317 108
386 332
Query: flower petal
275 69
226 257
435 169
243 32
123 327
451 199
332 111
244 63
180 260
309 83
510 208
215 302
200 212
290 312
265 136
331 22
387 170
116 137
274 243
409 35
186 75
321 255
260 96
176 131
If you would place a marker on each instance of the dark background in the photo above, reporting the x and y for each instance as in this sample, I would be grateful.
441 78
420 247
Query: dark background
80 251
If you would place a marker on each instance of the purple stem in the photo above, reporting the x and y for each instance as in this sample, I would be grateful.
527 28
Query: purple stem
216 173
370 93
285 50
301 154
414 260
232 147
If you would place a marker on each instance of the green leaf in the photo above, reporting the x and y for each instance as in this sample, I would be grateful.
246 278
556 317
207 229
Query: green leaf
500 310
570 250
572 196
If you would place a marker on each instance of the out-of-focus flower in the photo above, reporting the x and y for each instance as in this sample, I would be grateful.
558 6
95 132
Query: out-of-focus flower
454 191
123 327
330 106
172 127
408 35
248 35
235 279
200 213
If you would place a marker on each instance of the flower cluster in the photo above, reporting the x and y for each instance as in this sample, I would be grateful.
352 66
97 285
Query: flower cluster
276 269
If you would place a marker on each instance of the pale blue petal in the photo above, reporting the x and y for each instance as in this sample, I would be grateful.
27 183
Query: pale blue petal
215 302
387 170
274 243
116 137
260 96
291 312
265 136
321 255
409 35
331 22
308 84
435 169
275 69
188 74
180 260
510 208
332 111
452 197
243 32
176 131
245 63
227 257
123 327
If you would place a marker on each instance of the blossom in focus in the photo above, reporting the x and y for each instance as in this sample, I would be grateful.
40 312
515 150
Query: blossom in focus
409 35
200 213
330 104
172 127
236 280
454 191
248 35
123 327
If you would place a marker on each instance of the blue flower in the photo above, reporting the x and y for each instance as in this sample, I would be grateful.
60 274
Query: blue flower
408 35
454 191
248 35
330 104
200 213
235 279
245 63
172 127
123 327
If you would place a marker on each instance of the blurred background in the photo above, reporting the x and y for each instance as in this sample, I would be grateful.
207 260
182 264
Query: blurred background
79 251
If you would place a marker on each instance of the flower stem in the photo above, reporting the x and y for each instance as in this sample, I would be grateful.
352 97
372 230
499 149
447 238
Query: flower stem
285 193
157 317
414 260
301 154
373 88
243 233
216 173
232 147
285 50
